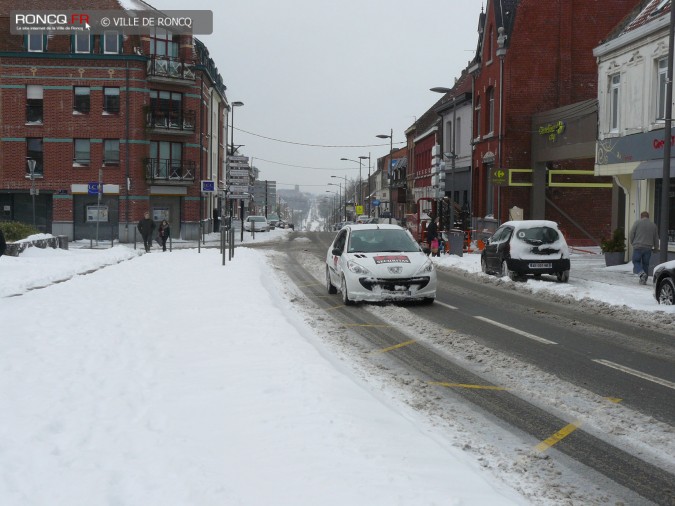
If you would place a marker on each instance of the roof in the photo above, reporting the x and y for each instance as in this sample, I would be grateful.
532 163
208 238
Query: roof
644 12
504 16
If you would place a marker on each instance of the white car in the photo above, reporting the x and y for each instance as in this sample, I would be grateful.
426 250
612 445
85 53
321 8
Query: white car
379 262
259 224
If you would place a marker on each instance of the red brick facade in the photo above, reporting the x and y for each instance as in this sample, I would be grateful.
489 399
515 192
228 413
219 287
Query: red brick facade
160 159
546 62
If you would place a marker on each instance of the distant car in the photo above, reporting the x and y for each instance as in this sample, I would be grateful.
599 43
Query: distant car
273 220
519 248
664 283
259 224
377 263
362 218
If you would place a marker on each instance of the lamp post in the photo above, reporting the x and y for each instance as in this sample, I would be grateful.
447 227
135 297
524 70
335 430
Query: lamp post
453 153
389 169
330 191
369 195
31 170
345 194
340 194
360 201
232 151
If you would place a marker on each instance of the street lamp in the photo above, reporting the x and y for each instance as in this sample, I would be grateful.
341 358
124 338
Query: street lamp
340 202
389 169
345 206
453 153
360 202
31 169
335 218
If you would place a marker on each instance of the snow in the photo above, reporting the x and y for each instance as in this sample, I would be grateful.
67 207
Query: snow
168 378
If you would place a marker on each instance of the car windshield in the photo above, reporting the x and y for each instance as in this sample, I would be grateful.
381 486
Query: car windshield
381 240
256 218
537 235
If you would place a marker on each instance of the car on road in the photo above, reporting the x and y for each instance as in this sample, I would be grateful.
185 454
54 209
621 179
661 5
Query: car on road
522 247
664 283
259 224
375 263
273 220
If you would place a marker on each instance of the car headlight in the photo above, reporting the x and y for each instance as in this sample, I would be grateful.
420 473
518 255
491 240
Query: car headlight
356 268
427 267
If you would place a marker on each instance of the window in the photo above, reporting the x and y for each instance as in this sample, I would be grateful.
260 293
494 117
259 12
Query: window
166 159
82 151
111 152
164 44
614 83
34 103
662 75
36 43
448 137
111 100
167 108
111 43
82 42
477 118
490 118
458 135
34 154
81 100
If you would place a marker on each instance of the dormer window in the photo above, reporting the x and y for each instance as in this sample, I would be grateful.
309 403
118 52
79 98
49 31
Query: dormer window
111 43
82 43
35 43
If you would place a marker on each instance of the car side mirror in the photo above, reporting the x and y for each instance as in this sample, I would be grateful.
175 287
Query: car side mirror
337 252
487 241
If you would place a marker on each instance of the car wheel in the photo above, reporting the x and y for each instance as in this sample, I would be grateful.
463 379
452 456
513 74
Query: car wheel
563 277
483 266
665 293
345 295
507 272
329 286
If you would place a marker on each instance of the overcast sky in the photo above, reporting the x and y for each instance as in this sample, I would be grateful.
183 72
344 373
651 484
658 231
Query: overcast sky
332 73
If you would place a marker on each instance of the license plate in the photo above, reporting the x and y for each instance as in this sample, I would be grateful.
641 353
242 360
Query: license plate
539 265
405 293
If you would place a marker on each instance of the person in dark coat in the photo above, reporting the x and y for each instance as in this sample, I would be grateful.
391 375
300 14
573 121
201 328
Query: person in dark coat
163 234
146 227
432 233
3 243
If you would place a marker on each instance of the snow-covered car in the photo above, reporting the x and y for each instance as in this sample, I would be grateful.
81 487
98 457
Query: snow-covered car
664 283
259 224
522 247
374 263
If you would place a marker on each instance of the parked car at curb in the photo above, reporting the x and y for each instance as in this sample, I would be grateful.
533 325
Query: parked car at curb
522 247
375 263
664 283
259 224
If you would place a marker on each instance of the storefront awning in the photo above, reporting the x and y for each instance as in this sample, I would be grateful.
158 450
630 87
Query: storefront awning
652 169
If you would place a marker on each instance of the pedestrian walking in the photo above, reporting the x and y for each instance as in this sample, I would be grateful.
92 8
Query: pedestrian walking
432 237
163 234
3 243
644 237
146 227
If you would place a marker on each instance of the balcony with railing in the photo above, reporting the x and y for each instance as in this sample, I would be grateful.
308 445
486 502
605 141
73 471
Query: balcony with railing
168 69
174 122
169 171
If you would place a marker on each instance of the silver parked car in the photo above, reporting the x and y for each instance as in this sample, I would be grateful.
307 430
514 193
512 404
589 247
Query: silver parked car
259 224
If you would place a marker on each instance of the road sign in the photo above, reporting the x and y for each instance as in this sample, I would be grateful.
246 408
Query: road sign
94 188
375 202
238 173
239 188
208 186
234 159
498 176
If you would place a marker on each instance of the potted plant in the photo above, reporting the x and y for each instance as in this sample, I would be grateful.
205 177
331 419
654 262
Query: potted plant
614 248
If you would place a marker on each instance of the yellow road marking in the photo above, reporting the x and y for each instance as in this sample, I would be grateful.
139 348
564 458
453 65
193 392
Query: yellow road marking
464 385
558 436
395 347
615 400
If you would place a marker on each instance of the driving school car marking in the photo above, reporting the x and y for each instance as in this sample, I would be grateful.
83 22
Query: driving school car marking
517 331
392 259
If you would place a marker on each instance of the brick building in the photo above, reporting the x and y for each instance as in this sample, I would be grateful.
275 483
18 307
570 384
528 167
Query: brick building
535 101
142 117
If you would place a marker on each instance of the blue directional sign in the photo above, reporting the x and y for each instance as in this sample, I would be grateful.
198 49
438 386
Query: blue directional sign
93 188
375 202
